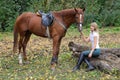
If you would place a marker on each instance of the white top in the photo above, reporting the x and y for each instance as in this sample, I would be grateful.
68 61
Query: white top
92 35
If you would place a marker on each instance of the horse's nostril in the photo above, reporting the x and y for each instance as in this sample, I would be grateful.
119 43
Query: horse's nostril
80 27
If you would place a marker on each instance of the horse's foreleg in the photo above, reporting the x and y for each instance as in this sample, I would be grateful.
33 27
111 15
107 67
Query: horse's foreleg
26 39
56 46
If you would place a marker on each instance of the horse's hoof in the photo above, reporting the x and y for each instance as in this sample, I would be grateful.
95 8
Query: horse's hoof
21 64
53 67
26 62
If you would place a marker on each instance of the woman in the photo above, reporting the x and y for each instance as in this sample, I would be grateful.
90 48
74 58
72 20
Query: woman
94 52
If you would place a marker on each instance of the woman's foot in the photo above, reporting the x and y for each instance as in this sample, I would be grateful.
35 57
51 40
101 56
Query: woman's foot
90 68
76 68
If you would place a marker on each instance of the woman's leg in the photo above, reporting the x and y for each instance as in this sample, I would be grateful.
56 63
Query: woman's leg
96 53
90 66
80 60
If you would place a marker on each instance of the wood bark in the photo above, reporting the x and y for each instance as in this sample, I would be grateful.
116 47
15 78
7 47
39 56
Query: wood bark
108 61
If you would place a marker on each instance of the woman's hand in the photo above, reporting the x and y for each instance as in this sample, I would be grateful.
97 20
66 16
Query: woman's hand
81 33
86 39
90 55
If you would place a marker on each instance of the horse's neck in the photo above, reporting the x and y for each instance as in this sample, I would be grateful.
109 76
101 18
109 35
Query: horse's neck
68 20
68 17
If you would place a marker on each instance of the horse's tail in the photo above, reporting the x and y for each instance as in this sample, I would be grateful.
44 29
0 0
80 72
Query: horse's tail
15 35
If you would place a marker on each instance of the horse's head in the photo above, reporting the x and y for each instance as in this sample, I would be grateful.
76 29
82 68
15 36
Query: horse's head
79 17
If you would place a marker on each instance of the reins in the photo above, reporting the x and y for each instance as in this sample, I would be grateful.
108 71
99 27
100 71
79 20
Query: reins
62 25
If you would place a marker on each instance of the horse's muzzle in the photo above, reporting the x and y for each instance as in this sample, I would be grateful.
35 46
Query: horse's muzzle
80 27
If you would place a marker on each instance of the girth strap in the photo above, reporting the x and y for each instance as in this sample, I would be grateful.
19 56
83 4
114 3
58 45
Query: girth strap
48 32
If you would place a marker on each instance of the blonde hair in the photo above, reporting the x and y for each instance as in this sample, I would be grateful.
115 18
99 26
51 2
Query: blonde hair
94 24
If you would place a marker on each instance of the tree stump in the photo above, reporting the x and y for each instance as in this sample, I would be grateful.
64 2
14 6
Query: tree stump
108 61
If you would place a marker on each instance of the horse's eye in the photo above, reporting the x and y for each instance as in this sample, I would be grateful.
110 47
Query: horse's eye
76 17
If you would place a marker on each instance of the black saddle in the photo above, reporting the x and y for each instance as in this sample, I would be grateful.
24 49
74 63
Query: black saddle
47 18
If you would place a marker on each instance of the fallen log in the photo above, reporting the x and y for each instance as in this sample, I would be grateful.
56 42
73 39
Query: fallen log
108 61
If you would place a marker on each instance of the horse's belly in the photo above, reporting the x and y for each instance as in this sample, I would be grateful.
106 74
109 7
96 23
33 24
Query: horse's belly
38 32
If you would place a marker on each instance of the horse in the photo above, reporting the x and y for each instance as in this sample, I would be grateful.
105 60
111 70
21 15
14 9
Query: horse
29 23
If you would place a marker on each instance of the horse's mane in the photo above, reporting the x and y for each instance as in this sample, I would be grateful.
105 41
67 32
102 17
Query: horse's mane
65 12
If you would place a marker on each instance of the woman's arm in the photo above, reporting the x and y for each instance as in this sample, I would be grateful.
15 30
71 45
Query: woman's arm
95 43
86 39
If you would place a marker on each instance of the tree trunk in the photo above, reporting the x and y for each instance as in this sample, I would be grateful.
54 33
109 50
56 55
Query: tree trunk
108 61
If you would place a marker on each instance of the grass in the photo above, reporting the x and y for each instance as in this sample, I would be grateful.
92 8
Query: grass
40 53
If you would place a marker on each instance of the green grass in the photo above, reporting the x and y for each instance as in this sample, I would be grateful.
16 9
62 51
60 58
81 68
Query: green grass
102 31
3 35
39 66
39 69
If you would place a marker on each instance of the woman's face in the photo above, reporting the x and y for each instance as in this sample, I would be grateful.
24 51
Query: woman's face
92 28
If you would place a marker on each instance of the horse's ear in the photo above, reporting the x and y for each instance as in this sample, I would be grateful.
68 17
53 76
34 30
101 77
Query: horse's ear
75 10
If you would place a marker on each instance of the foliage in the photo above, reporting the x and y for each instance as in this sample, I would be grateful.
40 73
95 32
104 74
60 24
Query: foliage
104 12
10 9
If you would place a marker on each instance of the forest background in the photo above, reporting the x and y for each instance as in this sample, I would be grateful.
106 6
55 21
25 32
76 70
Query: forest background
105 12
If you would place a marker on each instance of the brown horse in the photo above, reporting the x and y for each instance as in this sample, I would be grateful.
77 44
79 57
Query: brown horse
28 23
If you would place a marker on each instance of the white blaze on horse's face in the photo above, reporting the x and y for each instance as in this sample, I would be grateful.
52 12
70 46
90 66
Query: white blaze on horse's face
80 22
80 18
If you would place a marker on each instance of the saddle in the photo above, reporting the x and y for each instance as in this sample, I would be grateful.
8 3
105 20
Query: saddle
47 18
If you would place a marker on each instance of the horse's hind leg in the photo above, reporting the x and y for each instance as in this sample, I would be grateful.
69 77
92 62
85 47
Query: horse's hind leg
20 46
26 39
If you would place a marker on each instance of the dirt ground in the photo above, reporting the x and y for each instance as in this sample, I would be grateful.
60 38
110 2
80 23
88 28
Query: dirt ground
44 45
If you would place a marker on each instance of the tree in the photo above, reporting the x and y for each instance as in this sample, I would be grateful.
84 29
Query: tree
9 9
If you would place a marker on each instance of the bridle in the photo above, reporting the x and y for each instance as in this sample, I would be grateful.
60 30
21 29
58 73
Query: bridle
80 23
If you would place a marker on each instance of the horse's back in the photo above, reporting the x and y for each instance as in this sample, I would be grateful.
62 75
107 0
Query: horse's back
29 22
24 16
23 20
